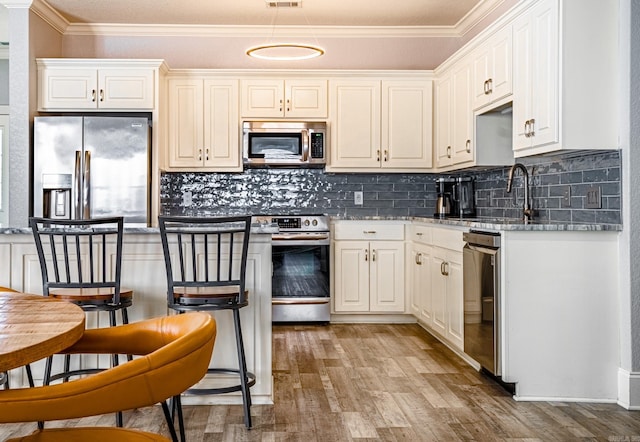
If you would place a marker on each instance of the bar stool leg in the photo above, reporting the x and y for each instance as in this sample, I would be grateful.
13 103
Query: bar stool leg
242 366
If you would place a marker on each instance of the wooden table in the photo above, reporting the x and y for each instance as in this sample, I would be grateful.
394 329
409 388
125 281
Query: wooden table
33 327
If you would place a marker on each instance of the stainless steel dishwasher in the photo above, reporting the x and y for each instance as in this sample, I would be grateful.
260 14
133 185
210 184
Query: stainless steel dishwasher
481 280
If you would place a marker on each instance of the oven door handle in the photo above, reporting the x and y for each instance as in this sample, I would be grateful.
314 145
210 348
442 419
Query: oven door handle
308 301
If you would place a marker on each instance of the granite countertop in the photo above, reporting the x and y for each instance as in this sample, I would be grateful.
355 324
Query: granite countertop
494 223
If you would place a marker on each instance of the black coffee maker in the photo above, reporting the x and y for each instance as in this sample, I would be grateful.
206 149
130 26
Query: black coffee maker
455 197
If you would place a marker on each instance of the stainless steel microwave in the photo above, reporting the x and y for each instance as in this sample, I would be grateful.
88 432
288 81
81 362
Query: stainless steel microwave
284 143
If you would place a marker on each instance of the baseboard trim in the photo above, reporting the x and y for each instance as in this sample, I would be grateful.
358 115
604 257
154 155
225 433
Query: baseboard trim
629 389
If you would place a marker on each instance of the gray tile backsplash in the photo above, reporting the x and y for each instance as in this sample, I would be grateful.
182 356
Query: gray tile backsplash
558 186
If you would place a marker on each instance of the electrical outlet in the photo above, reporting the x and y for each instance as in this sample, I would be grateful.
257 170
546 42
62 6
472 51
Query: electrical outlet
594 198
358 198
187 199
566 197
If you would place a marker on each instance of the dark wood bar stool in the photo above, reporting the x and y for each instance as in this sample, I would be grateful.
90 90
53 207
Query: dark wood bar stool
206 260
81 262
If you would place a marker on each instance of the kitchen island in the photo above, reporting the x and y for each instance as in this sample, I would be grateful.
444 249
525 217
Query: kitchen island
143 270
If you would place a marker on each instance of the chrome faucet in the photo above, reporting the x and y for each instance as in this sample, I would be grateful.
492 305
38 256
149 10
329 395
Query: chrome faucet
527 211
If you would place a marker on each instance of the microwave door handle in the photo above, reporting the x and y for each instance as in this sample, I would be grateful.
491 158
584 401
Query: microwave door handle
86 191
305 145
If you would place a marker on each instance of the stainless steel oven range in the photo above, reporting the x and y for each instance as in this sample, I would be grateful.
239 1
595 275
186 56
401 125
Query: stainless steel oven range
300 268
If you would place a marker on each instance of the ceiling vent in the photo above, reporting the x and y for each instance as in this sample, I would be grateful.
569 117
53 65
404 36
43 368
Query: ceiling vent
282 4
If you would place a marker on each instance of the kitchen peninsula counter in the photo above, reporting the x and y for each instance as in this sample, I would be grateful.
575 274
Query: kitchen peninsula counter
143 270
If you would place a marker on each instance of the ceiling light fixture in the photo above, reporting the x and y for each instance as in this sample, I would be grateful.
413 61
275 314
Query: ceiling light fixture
284 51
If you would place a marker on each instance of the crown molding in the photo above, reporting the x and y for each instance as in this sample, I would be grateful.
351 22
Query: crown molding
474 16
43 10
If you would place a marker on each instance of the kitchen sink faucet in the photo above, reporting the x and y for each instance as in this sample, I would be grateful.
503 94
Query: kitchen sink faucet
527 211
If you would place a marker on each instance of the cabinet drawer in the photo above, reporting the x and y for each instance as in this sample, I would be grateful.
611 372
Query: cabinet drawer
448 238
420 234
379 230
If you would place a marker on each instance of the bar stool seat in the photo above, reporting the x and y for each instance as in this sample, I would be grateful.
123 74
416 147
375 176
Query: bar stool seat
206 260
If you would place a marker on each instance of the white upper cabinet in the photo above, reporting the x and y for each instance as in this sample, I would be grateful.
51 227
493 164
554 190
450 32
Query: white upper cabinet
380 124
292 98
407 124
454 117
74 84
203 124
492 69
565 88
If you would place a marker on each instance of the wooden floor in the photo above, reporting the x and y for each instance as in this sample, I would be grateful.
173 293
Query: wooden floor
381 383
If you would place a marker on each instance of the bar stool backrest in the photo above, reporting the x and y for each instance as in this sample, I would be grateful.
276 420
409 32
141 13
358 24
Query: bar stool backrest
205 256
80 254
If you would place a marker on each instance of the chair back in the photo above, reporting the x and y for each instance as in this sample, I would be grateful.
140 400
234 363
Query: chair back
80 254
177 350
205 256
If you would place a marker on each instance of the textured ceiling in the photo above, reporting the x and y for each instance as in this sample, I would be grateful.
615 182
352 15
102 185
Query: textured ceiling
255 12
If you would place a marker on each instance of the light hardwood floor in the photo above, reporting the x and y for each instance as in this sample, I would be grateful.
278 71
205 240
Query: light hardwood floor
379 382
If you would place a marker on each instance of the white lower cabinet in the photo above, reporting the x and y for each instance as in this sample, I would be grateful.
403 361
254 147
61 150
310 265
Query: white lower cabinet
434 263
368 267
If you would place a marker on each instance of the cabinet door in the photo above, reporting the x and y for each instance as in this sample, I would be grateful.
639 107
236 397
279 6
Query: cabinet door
461 114
306 98
421 283
492 69
387 276
351 288
438 291
443 121
355 119
221 126
67 89
536 77
502 67
125 89
545 76
406 124
455 300
185 137
262 98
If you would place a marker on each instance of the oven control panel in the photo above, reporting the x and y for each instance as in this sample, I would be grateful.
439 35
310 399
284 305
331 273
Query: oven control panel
302 223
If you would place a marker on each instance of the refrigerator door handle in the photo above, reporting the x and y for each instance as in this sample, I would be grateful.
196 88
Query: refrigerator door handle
87 186
77 186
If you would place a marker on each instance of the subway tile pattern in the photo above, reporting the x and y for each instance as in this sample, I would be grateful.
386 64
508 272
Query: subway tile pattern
559 187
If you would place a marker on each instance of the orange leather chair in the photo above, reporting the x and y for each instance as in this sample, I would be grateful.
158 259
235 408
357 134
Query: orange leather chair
176 354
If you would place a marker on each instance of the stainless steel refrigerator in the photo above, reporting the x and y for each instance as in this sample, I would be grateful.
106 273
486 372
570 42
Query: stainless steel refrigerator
91 167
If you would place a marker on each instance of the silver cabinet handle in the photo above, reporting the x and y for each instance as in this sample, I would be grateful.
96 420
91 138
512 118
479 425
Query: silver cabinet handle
526 128
446 269
468 146
419 259
373 255
206 154
101 94
93 95
448 151
280 105
486 87
366 255
288 105
490 83
199 154
532 123
386 155
378 155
